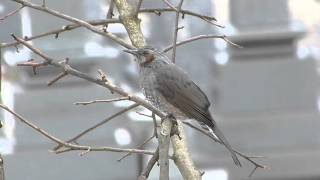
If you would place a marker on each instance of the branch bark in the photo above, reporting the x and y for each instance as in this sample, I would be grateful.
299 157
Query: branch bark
128 17
164 144
182 157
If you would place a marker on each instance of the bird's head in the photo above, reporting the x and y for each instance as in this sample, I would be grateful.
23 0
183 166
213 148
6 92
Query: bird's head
143 55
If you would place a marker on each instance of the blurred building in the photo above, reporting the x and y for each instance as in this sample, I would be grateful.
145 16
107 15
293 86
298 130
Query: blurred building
264 96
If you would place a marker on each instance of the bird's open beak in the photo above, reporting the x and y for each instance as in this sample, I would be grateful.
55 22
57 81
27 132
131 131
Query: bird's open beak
131 51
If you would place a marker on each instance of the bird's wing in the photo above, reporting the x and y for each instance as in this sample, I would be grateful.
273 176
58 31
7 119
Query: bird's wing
179 90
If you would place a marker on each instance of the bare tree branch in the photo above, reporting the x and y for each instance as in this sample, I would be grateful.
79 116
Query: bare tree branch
155 125
155 133
143 114
138 7
33 64
65 28
109 13
11 13
76 21
87 77
170 5
248 158
195 38
57 78
110 10
187 12
74 139
175 32
102 101
145 174
138 147
70 145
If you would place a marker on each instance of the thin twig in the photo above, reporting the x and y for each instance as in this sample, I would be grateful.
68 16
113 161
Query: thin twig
143 114
170 5
102 101
103 76
11 13
57 78
195 38
85 152
183 11
155 134
109 13
138 147
145 174
155 125
230 42
248 158
138 7
44 4
98 124
175 32
76 21
213 23
34 65
65 28
70 145
202 131
59 151
110 10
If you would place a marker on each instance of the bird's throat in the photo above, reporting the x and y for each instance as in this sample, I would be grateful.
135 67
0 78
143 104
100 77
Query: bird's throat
148 59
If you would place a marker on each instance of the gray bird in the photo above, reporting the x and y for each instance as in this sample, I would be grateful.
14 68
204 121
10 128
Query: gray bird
169 88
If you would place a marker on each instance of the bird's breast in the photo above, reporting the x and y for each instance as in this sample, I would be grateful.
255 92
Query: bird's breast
148 84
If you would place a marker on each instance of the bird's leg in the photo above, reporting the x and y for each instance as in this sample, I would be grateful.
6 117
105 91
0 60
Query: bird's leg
169 116
175 130
155 125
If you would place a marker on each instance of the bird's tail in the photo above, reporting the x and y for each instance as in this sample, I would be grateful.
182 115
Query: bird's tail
224 141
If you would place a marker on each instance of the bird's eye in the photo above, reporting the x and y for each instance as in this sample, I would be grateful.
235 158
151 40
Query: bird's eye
145 53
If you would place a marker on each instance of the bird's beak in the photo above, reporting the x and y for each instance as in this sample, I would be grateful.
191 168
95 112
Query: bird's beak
131 51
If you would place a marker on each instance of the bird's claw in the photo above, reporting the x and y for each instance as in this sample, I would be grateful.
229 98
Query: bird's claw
175 130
